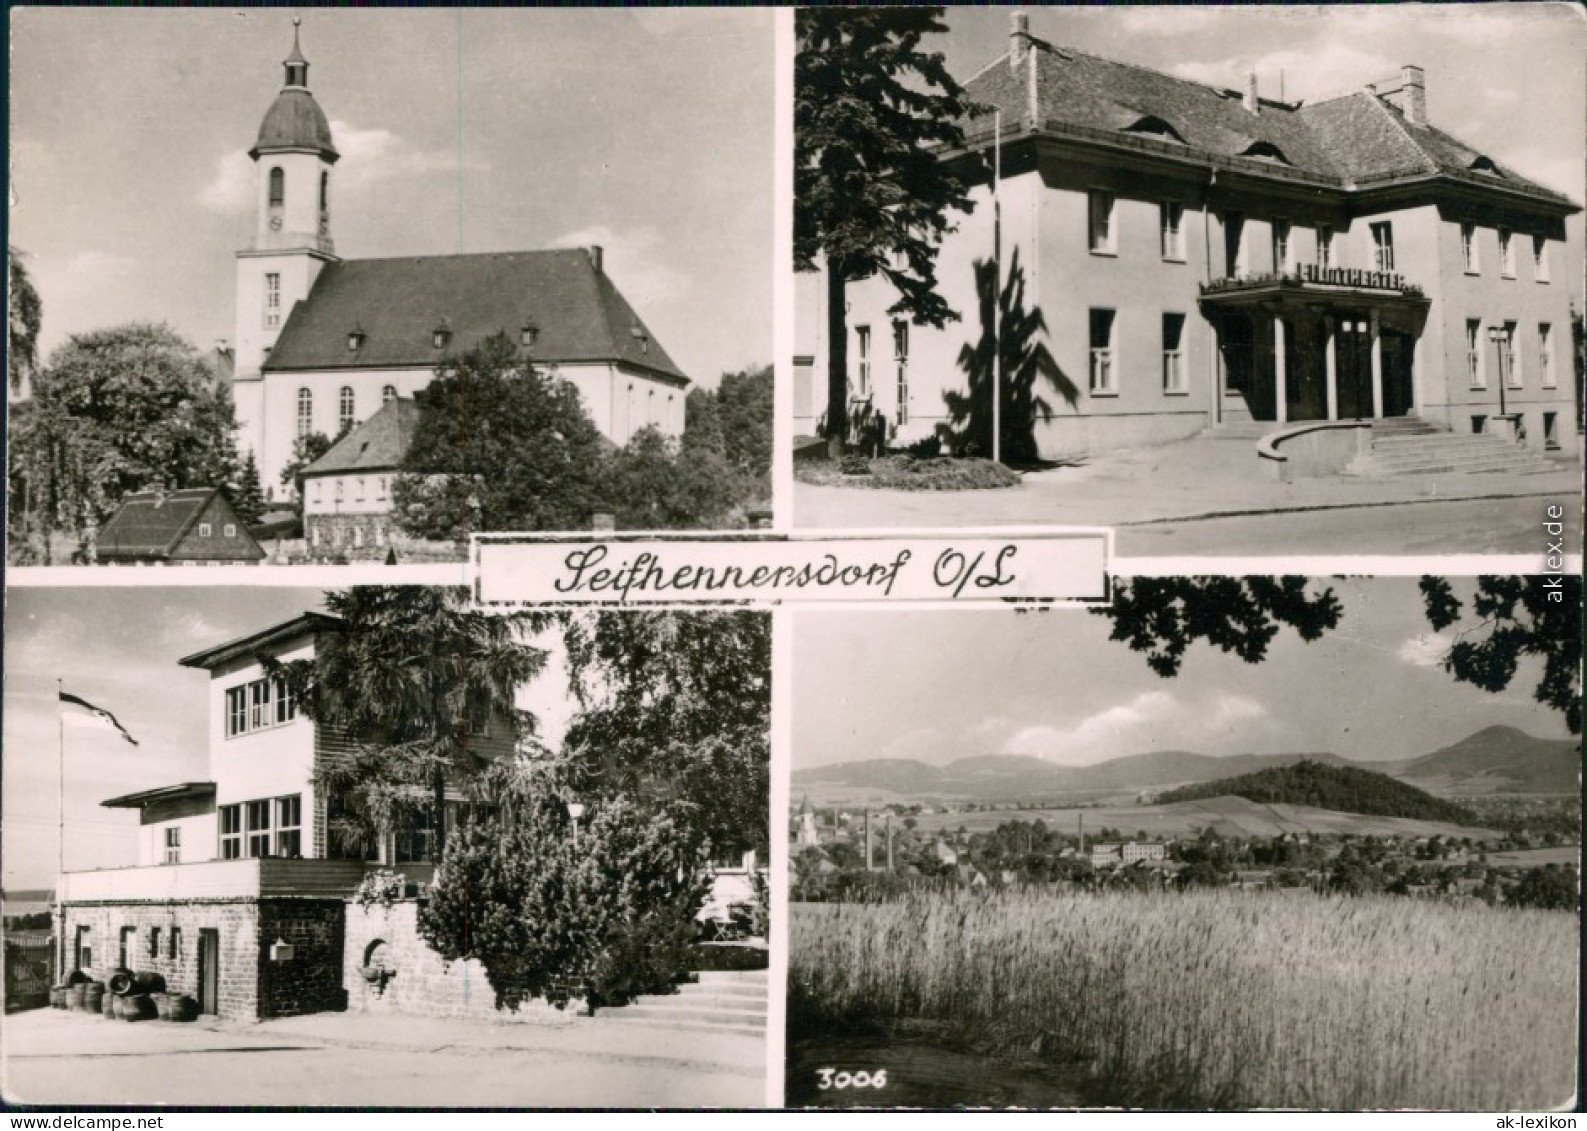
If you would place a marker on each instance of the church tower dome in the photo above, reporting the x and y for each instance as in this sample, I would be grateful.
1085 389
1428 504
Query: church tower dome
295 122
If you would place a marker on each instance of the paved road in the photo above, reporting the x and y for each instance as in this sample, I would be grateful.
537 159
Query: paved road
1489 526
57 1058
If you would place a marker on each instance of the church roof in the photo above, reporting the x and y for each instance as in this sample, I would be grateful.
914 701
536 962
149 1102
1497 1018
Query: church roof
295 121
1348 142
379 442
397 304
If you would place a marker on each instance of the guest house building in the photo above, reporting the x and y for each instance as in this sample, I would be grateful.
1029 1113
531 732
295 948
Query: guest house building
1205 257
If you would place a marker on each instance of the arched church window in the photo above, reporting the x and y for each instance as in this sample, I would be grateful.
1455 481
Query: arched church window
388 394
344 418
278 187
305 412
325 193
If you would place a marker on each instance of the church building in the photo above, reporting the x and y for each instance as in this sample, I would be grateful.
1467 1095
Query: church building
322 343
1219 258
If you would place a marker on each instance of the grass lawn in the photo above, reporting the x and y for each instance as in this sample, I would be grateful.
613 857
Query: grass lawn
899 472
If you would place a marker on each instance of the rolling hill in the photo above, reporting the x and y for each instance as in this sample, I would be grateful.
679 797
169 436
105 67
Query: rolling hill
1345 789
1494 760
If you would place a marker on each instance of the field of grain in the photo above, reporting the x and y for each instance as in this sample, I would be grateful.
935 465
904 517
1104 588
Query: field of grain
1229 1000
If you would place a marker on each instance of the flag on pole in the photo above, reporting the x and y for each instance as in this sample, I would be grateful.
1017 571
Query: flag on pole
80 712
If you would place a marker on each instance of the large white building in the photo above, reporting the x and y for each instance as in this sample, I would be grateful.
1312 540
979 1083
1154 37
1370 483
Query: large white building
323 342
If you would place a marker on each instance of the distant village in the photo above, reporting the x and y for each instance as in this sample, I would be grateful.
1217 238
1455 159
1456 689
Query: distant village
841 854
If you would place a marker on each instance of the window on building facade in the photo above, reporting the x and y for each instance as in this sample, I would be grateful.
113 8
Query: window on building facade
1101 212
325 195
650 407
1475 371
305 412
173 845
344 409
278 187
205 530
1383 246
1103 376
1512 354
84 948
272 300
1325 245
862 352
1234 244
1173 215
901 362
1540 258
1281 246
129 949
258 704
230 832
1545 354
1173 353
1551 431
154 942
176 943
414 840
388 394
229 530
258 828
1506 254
1468 249
289 825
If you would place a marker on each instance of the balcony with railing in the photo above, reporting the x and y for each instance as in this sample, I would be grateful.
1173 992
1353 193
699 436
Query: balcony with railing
1314 282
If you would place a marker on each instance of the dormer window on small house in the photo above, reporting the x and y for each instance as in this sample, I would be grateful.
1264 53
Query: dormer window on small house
355 338
441 336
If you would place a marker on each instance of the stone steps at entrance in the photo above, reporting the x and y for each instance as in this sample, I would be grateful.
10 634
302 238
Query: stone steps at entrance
721 1002
1407 446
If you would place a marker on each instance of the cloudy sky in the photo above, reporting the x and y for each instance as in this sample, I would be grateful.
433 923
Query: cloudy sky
648 132
118 649
940 686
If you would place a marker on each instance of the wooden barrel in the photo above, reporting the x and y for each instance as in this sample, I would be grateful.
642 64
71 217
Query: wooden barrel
57 997
77 996
136 1007
107 1003
94 997
162 1005
184 1008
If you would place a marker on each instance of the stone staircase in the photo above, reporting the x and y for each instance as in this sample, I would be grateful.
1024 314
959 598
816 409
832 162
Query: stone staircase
1243 430
722 1001
1409 446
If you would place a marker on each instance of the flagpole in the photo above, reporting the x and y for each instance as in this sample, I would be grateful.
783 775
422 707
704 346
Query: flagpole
60 825
997 291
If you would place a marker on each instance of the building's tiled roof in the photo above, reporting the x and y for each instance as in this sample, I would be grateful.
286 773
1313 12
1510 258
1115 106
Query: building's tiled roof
379 442
294 121
151 524
1350 141
399 303
161 793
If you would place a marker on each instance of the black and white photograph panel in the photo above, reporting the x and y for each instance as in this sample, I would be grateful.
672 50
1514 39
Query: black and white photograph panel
419 854
351 285
1260 280
1226 843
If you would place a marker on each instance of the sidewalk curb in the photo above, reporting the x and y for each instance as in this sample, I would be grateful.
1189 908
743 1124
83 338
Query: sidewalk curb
1365 505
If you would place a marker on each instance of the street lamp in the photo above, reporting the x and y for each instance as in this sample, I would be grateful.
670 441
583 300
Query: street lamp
1498 337
575 811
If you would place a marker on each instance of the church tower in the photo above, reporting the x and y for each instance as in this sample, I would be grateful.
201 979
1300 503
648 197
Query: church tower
292 157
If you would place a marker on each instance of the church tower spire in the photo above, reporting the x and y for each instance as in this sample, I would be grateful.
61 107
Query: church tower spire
297 66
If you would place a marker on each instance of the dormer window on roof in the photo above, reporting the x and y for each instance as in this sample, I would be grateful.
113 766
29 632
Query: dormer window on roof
355 338
441 336
639 335
528 333
1483 164
1149 125
1266 151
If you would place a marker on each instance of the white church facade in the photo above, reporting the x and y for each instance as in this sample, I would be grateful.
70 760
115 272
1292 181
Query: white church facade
322 343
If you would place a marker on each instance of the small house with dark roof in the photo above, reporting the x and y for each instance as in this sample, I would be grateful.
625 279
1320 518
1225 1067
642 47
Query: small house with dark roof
1204 257
196 526
347 491
323 342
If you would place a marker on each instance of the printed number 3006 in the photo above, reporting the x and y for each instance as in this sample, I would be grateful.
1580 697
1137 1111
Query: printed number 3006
832 1078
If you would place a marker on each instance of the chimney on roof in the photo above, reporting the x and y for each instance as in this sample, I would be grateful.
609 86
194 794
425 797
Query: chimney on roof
596 255
1407 93
1018 38
1251 102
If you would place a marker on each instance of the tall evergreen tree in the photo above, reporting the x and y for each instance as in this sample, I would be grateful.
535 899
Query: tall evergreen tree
871 113
247 496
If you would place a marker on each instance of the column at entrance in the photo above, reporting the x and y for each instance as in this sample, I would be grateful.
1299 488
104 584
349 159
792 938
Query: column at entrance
1280 371
1377 369
1331 366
